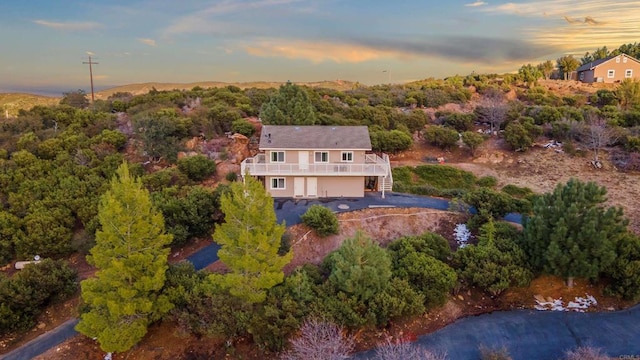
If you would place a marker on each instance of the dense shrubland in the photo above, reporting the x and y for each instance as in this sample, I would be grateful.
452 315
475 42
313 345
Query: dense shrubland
56 162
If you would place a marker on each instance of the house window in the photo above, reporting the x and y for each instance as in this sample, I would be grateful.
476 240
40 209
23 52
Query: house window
618 60
321 156
581 75
624 59
611 74
347 156
278 183
277 156
628 73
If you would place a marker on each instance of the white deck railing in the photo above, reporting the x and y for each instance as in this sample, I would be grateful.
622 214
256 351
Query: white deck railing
373 166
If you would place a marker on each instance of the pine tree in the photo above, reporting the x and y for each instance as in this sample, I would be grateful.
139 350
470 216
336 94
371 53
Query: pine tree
291 106
250 238
571 234
359 268
131 257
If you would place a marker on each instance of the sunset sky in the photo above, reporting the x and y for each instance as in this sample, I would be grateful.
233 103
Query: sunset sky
44 42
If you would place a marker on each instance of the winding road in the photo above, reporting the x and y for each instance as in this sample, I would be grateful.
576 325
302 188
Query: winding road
540 335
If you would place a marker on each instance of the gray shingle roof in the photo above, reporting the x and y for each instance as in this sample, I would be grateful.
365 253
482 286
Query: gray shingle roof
315 137
593 64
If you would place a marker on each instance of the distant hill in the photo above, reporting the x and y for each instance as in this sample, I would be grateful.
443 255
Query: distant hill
137 89
11 103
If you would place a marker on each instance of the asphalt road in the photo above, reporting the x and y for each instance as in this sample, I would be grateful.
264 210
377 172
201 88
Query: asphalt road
43 342
540 335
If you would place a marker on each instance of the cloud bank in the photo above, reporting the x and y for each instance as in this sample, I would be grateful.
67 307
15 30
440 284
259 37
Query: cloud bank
69 26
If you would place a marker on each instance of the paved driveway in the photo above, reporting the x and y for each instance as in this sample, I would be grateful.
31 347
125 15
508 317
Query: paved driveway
289 210
540 335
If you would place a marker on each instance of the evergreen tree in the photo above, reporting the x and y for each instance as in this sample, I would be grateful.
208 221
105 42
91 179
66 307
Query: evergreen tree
570 233
359 268
291 106
131 257
250 238
625 271
495 263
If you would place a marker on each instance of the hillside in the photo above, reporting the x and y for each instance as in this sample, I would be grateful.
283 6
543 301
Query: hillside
12 102
143 88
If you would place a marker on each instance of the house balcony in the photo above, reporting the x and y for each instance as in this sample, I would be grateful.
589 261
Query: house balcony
374 165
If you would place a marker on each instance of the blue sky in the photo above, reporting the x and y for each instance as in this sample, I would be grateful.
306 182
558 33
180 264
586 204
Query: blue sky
44 42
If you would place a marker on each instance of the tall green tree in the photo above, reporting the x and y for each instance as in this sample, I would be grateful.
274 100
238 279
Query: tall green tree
628 93
290 106
571 233
546 68
250 238
566 65
599 53
131 257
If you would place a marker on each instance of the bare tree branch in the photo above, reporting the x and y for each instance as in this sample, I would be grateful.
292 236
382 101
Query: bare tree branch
492 108
597 134
405 351
320 340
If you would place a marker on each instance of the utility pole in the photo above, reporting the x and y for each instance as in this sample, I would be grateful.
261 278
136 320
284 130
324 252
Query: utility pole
93 99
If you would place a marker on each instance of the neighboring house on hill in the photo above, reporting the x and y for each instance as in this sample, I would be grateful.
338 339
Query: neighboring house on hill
318 161
609 70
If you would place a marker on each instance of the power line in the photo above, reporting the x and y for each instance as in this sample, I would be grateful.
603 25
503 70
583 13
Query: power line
91 76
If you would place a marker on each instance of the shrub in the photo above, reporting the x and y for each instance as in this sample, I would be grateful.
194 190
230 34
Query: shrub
164 178
242 126
428 243
320 340
496 204
445 177
321 219
231 177
586 353
24 295
472 140
494 353
460 122
632 144
496 263
487 181
441 136
405 351
517 191
390 141
197 168
625 271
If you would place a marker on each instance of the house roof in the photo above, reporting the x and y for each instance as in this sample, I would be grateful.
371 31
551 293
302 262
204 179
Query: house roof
315 137
596 63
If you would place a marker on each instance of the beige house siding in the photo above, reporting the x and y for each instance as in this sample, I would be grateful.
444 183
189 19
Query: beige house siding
341 186
335 156
612 70
327 186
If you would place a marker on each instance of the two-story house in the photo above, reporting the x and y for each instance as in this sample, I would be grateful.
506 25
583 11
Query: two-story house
318 161
609 70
